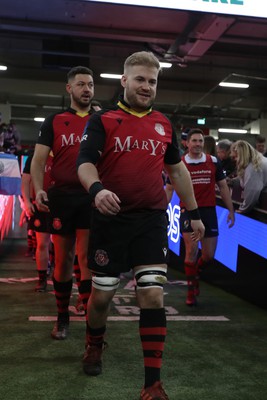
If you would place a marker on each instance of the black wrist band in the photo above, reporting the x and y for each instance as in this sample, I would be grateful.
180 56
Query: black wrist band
94 189
194 214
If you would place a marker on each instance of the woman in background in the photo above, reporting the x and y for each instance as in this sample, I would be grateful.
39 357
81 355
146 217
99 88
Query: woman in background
252 173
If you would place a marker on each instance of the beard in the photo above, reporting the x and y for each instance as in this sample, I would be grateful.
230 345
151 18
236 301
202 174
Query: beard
82 102
139 104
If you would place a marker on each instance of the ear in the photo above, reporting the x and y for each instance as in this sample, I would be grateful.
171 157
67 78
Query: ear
68 88
123 80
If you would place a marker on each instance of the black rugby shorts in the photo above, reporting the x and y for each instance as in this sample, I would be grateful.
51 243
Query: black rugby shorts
122 242
209 218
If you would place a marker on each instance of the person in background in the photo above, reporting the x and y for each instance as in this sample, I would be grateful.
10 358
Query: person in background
38 222
260 145
183 145
251 172
66 199
123 153
209 145
223 153
11 139
206 174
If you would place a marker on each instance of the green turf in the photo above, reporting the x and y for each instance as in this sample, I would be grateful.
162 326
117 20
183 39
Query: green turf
203 360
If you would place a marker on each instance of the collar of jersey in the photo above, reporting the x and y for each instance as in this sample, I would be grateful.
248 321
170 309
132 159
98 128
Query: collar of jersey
80 114
125 107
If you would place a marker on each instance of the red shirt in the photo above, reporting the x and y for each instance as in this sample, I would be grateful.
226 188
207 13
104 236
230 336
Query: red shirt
62 132
205 172
133 148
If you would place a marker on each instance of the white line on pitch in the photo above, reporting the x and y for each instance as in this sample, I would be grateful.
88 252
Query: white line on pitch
216 318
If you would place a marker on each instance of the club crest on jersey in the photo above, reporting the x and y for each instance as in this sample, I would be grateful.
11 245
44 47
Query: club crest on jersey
160 129
57 224
101 258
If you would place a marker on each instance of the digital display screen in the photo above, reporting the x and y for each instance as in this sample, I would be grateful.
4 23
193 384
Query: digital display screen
246 232
251 8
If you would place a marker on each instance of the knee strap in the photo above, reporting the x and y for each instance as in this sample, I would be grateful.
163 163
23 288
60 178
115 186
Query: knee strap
150 277
105 283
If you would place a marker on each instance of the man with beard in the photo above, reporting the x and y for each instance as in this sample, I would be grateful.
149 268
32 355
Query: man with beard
66 199
122 155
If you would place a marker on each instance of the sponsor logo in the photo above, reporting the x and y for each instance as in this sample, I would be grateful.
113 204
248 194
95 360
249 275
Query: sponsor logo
71 140
154 147
174 212
165 251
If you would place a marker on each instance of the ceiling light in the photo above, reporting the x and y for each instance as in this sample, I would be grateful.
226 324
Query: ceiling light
111 76
3 67
165 65
226 130
39 119
117 76
234 85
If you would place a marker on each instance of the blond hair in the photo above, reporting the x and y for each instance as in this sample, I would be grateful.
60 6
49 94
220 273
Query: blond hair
246 154
145 58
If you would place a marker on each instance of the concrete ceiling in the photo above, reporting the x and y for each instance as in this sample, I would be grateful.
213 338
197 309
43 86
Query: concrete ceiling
41 40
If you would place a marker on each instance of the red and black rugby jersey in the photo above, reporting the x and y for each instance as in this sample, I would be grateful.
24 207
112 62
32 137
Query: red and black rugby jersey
129 150
62 132
205 172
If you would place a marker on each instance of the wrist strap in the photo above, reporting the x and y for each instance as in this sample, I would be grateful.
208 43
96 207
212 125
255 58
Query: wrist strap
94 189
194 214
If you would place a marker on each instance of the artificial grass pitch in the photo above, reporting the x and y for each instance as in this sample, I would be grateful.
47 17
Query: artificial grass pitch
214 351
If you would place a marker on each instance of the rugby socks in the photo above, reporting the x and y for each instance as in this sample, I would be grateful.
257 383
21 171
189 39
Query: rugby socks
34 244
85 291
152 329
95 337
77 271
62 294
202 264
192 283
42 275
51 256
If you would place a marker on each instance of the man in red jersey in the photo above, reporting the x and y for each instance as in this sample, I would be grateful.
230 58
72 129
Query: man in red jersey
39 222
206 172
66 198
123 153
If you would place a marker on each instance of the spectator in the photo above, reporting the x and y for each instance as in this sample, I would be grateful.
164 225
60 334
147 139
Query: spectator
11 139
252 173
206 174
223 153
209 145
183 145
261 145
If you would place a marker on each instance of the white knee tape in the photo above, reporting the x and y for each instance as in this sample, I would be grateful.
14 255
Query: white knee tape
150 277
105 283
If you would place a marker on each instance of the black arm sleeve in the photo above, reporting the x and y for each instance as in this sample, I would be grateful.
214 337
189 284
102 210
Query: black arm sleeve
172 155
93 140
46 134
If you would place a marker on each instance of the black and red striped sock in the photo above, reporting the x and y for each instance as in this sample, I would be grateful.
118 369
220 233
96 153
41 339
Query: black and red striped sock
152 328
95 337
77 272
85 291
62 294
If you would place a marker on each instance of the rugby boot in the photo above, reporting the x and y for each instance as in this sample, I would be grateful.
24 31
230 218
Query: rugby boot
154 392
